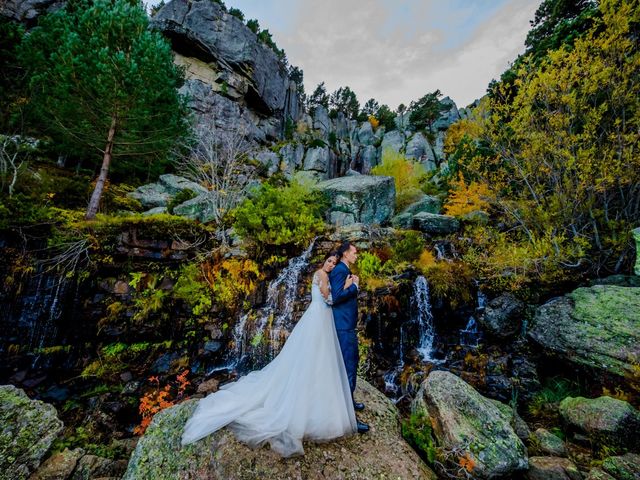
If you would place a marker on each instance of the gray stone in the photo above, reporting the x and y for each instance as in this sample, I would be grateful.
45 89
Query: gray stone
402 220
435 224
292 155
596 327
393 140
363 199
419 149
448 116
321 120
605 420
342 126
465 421
369 157
155 211
438 147
27 11
543 442
198 208
151 195
552 468
636 237
174 184
27 430
427 203
503 316
381 454
269 160
214 35
365 133
317 159
59 466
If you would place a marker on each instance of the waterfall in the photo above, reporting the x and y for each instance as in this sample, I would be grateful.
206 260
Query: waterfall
470 335
273 321
424 318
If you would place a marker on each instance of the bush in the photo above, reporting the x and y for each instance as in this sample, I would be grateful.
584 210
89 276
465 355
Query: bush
409 246
408 176
417 431
287 216
370 270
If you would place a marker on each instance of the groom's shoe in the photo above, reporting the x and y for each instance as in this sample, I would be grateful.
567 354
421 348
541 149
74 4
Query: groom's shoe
358 407
362 427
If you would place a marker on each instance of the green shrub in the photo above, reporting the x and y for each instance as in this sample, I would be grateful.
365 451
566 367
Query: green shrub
409 247
287 216
417 431
408 176
546 401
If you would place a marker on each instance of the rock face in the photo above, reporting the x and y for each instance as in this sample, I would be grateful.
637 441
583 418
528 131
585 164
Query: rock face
27 430
225 60
382 453
595 327
605 420
464 420
27 11
503 316
360 199
436 224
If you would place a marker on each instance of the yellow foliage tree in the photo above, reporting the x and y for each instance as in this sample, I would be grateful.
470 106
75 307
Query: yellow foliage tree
375 123
407 175
465 198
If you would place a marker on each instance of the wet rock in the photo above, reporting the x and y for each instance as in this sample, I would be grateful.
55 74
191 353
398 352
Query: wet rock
360 199
382 453
92 467
543 442
552 468
59 466
503 315
623 467
594 327
604 420
464 420
435 224
27 430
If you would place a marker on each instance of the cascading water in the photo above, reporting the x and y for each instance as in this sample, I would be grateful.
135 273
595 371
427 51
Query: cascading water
273 321
424 318
470 335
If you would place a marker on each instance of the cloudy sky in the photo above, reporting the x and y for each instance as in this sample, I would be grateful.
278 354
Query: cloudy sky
397 50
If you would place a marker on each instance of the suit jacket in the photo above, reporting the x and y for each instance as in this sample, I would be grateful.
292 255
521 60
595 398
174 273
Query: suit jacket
345 301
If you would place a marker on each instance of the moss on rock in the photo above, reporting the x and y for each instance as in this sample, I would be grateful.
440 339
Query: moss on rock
381 453
27 430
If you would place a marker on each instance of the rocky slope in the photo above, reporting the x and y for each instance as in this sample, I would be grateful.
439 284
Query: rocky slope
382 453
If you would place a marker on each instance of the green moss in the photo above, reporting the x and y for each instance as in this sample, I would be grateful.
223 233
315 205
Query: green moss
417 431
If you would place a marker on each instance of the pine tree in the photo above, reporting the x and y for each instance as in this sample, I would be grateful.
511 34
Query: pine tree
101 79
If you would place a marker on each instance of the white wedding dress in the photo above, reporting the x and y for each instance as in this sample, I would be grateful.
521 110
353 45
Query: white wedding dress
302 394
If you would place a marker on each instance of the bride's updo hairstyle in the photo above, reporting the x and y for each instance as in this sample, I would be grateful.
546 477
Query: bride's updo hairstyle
332 253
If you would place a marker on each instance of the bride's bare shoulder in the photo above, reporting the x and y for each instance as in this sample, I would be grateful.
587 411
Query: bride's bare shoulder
321 273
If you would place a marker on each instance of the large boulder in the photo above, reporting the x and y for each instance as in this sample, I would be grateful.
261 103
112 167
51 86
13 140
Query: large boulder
393 140
200 208
59 466
472 425
175 184
360 199
435 224
365 134
381 453
596 327
151 195
419 149
427 204
202 29
27 430
318 159
604 420
543 442
636 237
502 316
623 467
449 115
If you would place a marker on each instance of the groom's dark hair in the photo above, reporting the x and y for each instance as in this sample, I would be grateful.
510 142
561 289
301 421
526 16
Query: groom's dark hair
344 247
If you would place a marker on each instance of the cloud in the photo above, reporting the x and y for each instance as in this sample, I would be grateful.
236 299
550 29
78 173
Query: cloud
397 52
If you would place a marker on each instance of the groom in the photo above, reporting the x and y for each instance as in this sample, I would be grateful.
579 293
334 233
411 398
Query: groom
345 315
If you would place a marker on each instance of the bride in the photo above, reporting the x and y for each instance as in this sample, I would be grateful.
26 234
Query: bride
302 394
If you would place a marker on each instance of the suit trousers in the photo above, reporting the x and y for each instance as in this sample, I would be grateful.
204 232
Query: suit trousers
349 345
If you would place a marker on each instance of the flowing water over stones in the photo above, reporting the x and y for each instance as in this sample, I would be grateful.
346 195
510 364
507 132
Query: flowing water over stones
259 335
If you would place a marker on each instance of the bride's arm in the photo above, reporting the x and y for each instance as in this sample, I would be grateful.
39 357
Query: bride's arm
324 284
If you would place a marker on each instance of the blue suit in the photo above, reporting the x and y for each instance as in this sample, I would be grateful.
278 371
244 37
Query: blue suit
345 316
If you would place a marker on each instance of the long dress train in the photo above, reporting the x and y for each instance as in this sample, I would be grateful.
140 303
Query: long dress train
303 393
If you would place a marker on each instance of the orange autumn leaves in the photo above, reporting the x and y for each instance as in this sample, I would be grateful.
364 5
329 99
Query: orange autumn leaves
160 398
464 199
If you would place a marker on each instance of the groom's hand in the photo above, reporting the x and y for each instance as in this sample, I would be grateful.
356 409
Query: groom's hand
356 280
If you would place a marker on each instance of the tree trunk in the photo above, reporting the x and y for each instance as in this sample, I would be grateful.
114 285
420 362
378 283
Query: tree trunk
94 203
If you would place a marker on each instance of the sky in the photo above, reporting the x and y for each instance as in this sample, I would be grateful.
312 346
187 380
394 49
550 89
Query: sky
396 51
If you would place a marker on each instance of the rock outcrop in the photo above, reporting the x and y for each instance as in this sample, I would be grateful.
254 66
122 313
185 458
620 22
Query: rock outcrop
359 199
27 430
503 316
472 425
605 420
596 327
28 11
435 224
382 453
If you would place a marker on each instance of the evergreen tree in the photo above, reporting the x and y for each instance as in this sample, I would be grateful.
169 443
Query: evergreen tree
426 110
318 97
344 100
102 80
386 118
